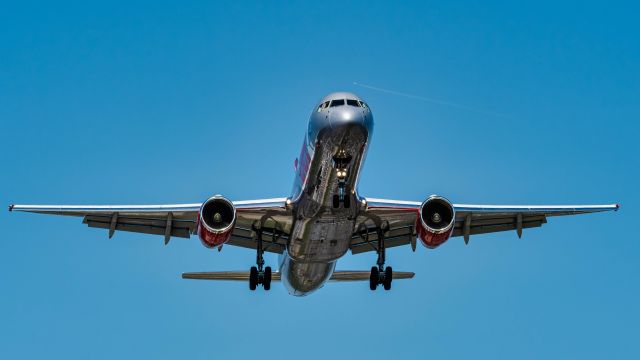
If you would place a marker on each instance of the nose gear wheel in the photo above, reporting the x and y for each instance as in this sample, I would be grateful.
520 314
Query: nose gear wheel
341 161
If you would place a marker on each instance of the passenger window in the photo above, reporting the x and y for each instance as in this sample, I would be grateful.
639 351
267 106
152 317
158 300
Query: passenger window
335 103
353 102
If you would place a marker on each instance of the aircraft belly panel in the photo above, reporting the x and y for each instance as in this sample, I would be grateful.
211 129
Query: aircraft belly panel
319 240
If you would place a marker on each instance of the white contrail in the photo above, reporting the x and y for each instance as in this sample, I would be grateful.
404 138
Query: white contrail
427 99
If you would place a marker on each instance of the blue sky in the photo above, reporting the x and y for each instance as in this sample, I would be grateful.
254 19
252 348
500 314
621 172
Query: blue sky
140 102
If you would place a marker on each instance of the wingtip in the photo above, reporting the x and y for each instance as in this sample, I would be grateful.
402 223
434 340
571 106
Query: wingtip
11 207
617 207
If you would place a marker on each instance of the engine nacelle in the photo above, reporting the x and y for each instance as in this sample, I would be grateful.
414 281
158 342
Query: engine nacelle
436 221
216 221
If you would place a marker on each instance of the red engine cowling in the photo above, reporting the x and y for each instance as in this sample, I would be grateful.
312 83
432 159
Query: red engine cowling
216 221
436 221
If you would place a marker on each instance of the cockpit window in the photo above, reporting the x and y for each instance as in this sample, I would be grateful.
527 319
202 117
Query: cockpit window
323 106
352 102
362 103
335 103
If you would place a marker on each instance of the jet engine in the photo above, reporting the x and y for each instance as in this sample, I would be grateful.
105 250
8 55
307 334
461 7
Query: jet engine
436 221
216 221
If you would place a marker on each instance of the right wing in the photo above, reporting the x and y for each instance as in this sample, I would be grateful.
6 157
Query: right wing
179 220
400 218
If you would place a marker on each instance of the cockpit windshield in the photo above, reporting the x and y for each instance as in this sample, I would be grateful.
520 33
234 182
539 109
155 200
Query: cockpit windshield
341 102
338 102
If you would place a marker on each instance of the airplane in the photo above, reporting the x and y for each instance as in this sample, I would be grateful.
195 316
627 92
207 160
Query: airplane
323 218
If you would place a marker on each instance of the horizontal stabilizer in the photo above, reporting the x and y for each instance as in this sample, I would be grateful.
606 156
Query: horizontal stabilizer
225 275
244 275
364 275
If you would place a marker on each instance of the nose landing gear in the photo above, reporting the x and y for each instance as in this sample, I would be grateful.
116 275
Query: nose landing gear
342 197
341 161
259 275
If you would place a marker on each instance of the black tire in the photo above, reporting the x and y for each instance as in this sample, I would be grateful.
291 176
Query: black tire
347 201
266 281
253 278
336 201
388 277
374 278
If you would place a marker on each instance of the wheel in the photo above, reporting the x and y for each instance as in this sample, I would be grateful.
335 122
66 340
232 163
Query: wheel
388 277
347 201
336 201
266 281
374 278
253 278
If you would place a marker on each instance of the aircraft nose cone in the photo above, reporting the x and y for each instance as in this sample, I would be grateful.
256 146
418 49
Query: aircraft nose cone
347 116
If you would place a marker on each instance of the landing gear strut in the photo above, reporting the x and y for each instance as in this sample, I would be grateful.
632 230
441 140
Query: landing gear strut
259 275
341 161
380 274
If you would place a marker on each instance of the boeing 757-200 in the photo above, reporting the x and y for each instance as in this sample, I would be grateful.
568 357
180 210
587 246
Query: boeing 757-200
323 218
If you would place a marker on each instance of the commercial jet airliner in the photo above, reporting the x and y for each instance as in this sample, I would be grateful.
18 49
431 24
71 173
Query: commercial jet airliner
323 218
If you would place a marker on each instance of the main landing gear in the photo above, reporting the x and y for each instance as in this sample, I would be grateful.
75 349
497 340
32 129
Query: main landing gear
380 274
259 275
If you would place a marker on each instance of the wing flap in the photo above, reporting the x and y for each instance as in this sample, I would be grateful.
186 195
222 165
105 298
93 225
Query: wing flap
250 243
367 240
154 226
486 229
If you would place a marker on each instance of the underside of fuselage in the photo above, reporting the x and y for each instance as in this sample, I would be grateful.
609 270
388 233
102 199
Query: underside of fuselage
326 203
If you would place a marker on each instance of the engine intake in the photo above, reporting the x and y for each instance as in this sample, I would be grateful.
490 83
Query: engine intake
436 221
216 221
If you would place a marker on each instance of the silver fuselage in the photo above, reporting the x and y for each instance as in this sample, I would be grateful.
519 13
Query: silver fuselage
321 233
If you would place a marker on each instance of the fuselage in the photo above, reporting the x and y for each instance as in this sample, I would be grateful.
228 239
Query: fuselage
325 198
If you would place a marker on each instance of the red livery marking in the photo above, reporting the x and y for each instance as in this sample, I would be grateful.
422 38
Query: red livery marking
395 208
430 239
211 239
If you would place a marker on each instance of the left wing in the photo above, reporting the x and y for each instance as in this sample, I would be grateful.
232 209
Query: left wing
179 220
400 219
